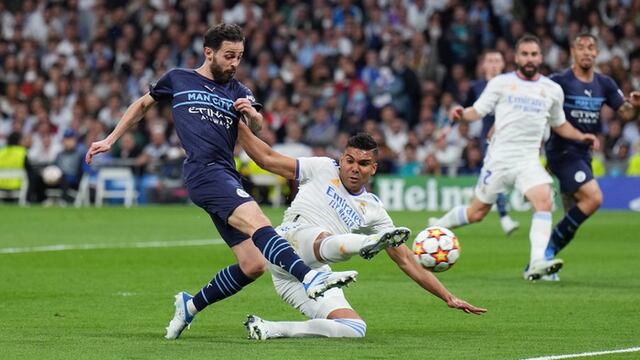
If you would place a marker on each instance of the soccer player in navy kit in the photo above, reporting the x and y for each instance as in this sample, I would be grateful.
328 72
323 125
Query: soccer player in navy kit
585 93
207 104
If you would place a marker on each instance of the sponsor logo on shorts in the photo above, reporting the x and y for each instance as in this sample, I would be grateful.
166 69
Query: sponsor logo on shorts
580 176
242 193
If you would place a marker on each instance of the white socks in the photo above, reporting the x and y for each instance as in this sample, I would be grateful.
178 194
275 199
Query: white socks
337 248
316 327
454 218
539 234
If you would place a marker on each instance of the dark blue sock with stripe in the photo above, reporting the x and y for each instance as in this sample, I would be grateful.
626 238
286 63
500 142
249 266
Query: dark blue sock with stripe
279 252
565 231
501 204
227 282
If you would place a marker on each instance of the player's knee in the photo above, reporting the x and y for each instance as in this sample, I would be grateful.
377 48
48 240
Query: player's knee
476 215
253 268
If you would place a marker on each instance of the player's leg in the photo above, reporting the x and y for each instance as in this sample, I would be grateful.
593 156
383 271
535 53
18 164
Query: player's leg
540 198
341 247
488 187
227 282
576 183
249 219
506 222
330 316
589 199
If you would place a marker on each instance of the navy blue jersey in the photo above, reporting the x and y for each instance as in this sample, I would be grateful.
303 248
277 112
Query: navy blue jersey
487 122
206 121
582 104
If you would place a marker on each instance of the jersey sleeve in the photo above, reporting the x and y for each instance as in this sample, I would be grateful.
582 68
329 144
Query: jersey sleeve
308 167
162 89
614 97
244 92
489 97
556 112
382 221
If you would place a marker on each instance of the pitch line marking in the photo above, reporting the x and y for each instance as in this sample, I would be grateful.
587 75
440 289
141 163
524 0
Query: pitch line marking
97 246
586 354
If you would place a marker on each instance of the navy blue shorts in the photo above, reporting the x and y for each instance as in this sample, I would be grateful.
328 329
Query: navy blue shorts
219 192
572 170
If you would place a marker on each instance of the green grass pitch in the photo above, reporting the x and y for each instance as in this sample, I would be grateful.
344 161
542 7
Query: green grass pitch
115 303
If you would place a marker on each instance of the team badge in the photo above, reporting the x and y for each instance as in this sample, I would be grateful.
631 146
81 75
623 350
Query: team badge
242 193
580 176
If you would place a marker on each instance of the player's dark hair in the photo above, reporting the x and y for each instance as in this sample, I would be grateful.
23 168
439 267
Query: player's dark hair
363 141
584 34
214 37
528 38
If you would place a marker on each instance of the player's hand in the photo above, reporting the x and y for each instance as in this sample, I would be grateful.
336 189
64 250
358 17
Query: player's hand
591 139
455 114
456 303
634 99
97 148
243 106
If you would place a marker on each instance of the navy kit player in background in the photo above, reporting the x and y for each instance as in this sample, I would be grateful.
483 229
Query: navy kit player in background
207 104
570 161
492 65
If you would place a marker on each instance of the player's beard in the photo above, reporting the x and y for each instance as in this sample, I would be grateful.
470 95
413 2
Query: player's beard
529 70
219 74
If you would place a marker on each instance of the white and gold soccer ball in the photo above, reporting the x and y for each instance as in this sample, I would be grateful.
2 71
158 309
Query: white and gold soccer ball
436 248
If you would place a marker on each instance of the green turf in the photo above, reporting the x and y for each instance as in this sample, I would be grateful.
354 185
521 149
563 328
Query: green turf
115 303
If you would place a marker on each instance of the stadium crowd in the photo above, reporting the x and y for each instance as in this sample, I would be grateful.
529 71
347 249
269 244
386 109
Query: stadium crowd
323 70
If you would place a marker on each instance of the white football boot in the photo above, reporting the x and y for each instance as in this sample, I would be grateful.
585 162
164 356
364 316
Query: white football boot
508 225
322 281
181 318
541 268
256 328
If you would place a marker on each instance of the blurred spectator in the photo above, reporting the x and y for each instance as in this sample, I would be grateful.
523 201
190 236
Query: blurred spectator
69 160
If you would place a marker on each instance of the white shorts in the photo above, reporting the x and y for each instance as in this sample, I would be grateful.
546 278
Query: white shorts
292 292
301 237
521 177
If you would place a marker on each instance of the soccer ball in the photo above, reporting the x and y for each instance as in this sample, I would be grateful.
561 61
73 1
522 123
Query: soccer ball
436 248
51 175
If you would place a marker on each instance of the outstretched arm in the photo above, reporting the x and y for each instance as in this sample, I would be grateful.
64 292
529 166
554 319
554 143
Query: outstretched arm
566 130
458 113
264 155
629 109
404 258
134 113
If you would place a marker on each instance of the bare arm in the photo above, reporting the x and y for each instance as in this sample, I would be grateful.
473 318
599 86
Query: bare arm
566 130
252 117
134 113
264 155
403 257
458 113
629 109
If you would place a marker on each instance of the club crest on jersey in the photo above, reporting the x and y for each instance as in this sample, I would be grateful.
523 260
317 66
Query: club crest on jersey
242 193
580 176
251 98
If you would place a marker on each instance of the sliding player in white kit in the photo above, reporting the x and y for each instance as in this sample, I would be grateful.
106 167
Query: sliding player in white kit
525 102
332 219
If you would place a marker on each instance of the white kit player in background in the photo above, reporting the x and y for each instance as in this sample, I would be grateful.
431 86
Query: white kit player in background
332 219
524 102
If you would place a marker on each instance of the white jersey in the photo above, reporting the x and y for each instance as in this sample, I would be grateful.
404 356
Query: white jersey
523 109
323 201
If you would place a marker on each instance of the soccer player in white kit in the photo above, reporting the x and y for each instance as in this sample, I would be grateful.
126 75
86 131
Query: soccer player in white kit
332 219
524 102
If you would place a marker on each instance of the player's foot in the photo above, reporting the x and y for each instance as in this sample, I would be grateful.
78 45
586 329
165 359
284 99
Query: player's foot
181 318
383 240
256 328
322 281
433 221
508 225
542 267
